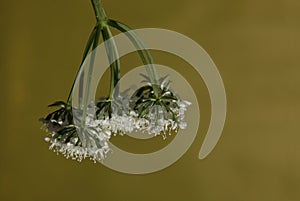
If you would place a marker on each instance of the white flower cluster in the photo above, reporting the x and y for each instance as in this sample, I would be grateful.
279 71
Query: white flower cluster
90 140
158 122
78 153
120 124
94 142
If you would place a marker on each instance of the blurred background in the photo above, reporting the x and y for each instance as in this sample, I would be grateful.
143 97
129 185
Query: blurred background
254 43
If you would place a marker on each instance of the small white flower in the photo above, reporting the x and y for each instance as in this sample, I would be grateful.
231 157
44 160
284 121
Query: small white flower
90 141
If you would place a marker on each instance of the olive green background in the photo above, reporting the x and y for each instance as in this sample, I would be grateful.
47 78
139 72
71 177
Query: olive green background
254 43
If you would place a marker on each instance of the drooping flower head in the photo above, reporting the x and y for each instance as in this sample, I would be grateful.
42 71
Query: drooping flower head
159 107
73 141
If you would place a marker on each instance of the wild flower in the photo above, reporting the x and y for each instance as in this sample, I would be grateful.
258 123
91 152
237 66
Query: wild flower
72 141
84 132
159 107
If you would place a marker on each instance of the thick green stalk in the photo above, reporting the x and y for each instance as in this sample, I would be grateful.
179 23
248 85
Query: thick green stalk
99 12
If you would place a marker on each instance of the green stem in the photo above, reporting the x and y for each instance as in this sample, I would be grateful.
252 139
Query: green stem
111 53
86 51
89 76
110 59
113 56
115 53
140 46
138 43
100 17
99 12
